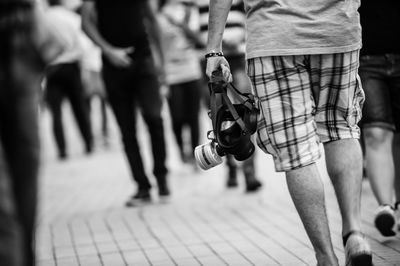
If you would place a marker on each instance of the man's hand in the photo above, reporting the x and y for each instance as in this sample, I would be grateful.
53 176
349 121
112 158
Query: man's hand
119 57
219 63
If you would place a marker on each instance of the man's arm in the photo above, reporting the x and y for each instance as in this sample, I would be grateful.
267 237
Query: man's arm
219 11
119 57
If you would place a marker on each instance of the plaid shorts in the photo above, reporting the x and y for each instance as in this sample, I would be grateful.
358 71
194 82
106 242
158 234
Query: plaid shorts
305 100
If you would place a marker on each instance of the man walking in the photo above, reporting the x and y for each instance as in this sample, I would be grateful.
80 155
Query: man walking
302 59
123 30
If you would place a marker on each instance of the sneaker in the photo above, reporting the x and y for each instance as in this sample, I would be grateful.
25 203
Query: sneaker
140 198
357 250
385 220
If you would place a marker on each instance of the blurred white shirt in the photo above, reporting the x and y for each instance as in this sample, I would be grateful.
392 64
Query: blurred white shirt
67 27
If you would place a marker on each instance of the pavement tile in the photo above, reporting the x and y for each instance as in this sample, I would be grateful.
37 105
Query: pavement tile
135 258
45 262
107 247
187 262
201 250
157 255
112 259
64 252
84 250
212 261
92 260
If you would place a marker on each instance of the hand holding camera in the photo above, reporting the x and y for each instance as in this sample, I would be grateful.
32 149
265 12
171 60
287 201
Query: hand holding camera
233 124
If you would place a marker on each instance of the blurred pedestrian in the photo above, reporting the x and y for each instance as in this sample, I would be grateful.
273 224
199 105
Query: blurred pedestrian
302 58
64 79
233 44
380 76
126 31
179 26
93 81
27 43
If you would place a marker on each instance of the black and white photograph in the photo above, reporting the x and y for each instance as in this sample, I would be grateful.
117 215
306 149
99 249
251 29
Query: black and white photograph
199 133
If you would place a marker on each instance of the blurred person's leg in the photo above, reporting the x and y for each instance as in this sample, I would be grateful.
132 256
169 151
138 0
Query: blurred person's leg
147 90
379 162
176 102
378 130
192 112
94 87
119 89
248 166
396 157
80 109
232 171
11 236
55 94
395 85
19 135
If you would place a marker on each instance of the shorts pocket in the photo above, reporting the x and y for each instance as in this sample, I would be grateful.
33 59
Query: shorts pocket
355 109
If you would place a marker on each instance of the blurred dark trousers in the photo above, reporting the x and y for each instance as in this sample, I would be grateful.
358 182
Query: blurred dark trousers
184 104
19 164
128 90
64 81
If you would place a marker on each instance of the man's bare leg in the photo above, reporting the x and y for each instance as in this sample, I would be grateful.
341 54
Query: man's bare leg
344 164
307 191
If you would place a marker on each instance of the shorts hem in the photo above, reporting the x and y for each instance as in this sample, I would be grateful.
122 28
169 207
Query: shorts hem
380 124
346 136
280 168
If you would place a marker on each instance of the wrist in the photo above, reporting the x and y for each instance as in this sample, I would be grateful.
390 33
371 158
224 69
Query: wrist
214 53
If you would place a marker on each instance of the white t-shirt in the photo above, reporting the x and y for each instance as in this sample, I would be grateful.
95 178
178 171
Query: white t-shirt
67 28
297 27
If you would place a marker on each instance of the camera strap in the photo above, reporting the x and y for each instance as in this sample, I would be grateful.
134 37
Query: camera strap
234 113
219 98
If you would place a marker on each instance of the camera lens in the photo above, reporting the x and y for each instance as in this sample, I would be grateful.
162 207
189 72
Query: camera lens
207 156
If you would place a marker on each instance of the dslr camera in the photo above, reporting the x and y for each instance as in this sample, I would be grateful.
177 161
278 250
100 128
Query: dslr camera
232 124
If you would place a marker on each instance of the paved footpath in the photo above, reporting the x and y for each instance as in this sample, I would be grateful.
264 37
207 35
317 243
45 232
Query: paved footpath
83 221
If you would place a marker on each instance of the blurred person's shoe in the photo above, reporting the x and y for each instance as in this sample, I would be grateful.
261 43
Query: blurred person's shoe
253 185
62 156
232 178
89 149
357 249
163 189
385 220
141 197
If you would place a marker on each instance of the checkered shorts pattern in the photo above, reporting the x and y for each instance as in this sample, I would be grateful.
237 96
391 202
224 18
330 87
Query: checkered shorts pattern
305 100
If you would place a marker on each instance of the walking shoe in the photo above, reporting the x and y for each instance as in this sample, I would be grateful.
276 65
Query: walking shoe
140 198
385 220
357 250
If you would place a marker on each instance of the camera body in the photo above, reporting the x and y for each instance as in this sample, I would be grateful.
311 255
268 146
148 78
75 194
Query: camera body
233 125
